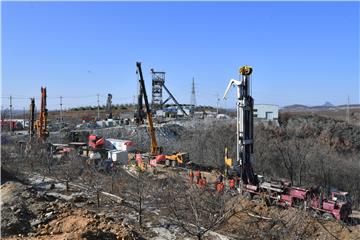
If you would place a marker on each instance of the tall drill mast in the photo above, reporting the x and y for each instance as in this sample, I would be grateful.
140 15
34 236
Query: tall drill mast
41 123
108 106
32 117
245 125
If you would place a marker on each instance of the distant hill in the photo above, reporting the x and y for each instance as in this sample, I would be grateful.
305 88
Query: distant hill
326 106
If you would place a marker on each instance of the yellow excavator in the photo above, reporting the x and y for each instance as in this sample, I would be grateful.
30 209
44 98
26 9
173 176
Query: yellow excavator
177 159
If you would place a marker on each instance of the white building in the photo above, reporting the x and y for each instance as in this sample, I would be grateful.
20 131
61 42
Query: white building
266 111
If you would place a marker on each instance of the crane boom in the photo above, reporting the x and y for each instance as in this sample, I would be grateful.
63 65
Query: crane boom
153 147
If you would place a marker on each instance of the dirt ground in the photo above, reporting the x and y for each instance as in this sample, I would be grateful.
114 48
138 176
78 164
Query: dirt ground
30 213
258 221
26 214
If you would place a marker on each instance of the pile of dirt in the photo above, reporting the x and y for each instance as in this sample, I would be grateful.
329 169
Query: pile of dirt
31 214
80 224
258 221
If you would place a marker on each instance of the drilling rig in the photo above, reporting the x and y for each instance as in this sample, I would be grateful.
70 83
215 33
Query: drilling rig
32 117
279 192
41 123
244 125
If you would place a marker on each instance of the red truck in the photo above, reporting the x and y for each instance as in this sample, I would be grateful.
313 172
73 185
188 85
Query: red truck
282 193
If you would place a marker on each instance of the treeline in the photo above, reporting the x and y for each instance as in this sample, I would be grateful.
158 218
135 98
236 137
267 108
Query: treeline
125 106
299 152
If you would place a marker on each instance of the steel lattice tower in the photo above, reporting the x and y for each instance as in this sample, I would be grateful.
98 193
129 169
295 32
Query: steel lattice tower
193 97
158 80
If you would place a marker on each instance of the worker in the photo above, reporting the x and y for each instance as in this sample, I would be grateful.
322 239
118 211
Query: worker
232 183
220 178
237 182
197 176
203 182
220 187
199 183
191 176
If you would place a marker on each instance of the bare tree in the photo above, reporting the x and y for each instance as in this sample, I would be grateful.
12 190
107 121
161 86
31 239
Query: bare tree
69 168
197 211
293 154
137 188
94 181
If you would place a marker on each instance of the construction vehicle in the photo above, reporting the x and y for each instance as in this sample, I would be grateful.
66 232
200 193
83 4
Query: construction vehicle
41 123
96 142
139 115
154 149
228 162
177 159
278 192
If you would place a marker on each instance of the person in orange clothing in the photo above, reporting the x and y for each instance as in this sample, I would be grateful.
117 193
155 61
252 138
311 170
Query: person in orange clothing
202 182
220 187
232 183
191 176
199 182
197 176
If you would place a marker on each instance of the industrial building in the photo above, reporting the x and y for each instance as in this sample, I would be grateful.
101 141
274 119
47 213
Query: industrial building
266 112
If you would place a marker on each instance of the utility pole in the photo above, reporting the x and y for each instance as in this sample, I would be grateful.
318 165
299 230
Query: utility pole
24 117
193 96
61 113
98 108
348 110
32 117
11 125
217 104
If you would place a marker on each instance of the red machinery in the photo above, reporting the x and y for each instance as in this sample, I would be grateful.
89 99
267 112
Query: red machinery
275 192
338 207
96 142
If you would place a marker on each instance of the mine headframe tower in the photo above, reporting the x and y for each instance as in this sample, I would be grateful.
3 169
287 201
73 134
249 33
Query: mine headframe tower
158 80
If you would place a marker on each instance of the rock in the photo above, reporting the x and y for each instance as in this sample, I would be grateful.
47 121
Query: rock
49 214
25 194
79 197
35 222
